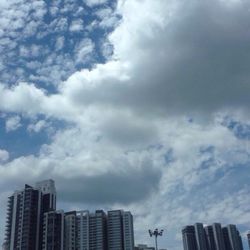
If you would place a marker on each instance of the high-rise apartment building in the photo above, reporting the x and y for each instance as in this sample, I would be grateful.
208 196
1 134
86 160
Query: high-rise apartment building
218 236
226 238
82 221
248 238
200 236
188 237
98 231
70 231
53 230
91 230
48 190
25 214
22 230
232 238
115 230
211 237
120 230
128 231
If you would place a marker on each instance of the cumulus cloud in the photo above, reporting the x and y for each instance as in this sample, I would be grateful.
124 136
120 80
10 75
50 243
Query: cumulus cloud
12 123
76 26
38 126
84 51
176 61
4 155
92 3
171 64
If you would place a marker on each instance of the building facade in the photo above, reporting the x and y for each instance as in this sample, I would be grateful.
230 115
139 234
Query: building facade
188 238
115 230
53 230
218 237
128 231
70 231
233 239
91 230
200 236
25 214
98 231
210 238
248 239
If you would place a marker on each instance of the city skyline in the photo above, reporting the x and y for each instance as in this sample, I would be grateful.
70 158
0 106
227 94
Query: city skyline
134 104
33 222
111 231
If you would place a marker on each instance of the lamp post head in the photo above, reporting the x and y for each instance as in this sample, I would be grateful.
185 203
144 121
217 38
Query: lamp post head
156 232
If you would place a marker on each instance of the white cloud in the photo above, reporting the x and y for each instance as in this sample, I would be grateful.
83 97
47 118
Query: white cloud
12 123
149 50
4 155
92 3
84 50
104 12
59 43
38 126
108 18
76 26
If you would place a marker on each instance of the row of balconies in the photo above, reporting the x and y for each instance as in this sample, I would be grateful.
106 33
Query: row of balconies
8 221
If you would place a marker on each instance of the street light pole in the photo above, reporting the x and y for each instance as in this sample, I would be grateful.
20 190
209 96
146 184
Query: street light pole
155 233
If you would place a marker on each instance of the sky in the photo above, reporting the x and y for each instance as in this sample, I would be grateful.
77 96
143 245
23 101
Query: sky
141 105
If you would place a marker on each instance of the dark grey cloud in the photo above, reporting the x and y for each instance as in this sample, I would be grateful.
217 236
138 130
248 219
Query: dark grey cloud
128 131
109 188
199 61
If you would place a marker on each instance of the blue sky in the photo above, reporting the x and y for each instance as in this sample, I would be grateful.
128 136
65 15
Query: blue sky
140 105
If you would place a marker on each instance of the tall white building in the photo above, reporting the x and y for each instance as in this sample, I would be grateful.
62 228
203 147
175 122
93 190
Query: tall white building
82 220
70 230
115 230
91 230
128 231
120 230
99 231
